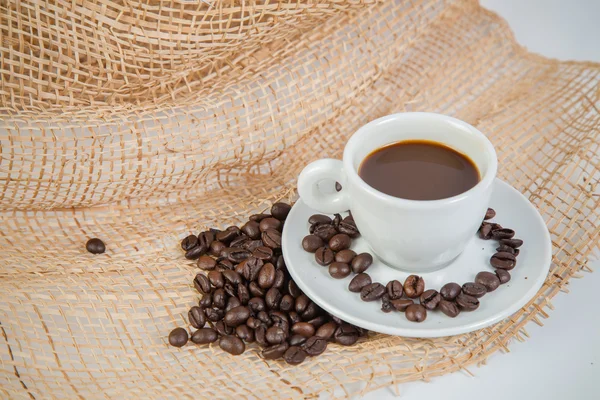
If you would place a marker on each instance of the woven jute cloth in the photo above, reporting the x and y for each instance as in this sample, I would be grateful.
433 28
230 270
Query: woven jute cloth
140 121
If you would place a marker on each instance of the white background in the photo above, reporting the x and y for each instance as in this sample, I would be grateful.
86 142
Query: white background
561 360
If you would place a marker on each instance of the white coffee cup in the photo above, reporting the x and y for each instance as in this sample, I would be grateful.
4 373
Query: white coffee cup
412 235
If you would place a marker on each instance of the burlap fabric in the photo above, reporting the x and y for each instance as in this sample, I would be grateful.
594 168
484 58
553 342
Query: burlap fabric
141 121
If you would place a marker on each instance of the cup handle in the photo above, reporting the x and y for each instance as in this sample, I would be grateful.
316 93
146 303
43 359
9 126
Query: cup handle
310 193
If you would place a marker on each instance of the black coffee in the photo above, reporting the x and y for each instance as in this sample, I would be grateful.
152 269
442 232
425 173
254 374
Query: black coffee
419 170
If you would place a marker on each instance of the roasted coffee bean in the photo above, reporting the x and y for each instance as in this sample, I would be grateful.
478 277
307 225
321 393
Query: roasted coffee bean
219 298
416 313
222 329
514 243
237 316
276 335
252 267
505 249
485 231
240 241
205 336
488 279
232 345
194 253
449 308
280 263
206 300
386 305
270 223
319 219
502 233
302 302
474 289
297 340
414 286
279 281
503 275
401 304
205 239
202 283
260 336
263 316
490 213
293 289
450 290
311 243
178 337
287 303
189 242
324 256
430 299
339 270
230 289
266 276
294 355
503 260
216 279
196 317
325 232
345 256
275 352
340 242
348 227
346 334
243 294
394 289
303 328
236 254
272 238
336 221
294 317
228 234
335 319
258 217
252 245
253 323
232 277
245 333
326 331
256 290
280 210
206 263
223 263
214 314
251 229
232 302
372 292
361 262
273 298
359 282
318 321
466 302
216 248
263 253
257 304
312 310
315 346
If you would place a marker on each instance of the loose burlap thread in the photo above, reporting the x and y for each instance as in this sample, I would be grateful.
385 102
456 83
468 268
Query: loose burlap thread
142 121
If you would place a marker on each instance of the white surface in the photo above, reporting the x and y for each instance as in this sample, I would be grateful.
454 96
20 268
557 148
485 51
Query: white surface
333 295
538 368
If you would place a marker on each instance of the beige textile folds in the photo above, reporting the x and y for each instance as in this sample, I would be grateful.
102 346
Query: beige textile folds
138 121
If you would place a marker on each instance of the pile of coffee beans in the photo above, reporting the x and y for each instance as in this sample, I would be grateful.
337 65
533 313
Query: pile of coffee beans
248 295
330 240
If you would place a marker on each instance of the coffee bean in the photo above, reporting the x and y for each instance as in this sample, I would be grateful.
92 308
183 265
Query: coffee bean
196 317
228 234
258 217
275 352
414 286
273 298
253 323
324 256
263 316
243 294
505 249
485 231
206 263
327 330
345 256
236 254
279 281
346 334
270 223
276 335
263 253
202 283
222 329
339 270
272 238
312 310
401 304
205 239
490 213
280 210
311 243
303 328
287 303
232 302
466 302
449 308
216 279
386 305
216 248
503 260
348 227
205 336
260 336
294 317
230 289
188 242
251 229
223 263
335 319
252 245
361 262
514 243
178 337
297 340
255 290
503 275
240 241
280 319
325 232
502 233
416 313
232 277
206 300
194 253
488 279
256 304
280 263
237 316
430 299
450 290
97 246
232 345
219 298
294 355
474 289
302 302
359 282
336 221
315 346
293 289
317 321
394 289
338 187
340 242
319 219
372 292
266 276
245 333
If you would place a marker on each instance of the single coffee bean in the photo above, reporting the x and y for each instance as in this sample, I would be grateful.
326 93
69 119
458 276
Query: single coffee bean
416 313
216 279
502 234
280 210
237 316
303 328
335 319
293 289
430 299
216 248
232 277
256 304
401 304
260 336
345 256
202 283
361 262
317 321
488 279
340 242
485 231
194 253
266 276
312 310
206 263
263 253
258 217
255 290
243 294
324 256
275 352
178 337
206 300
228 234
272 238
232 345
294 355
205 239
97 246
196 317
336 221
449 308
505 249
222 329
315 346
346 334
287 303
204 336
358 282
474 289
252 245
273 298
503 260
514 243
372 292
339 270
311 243
319 219
236 254
223 263
450 290
348 227
325 232
251 229
280 263
466 302
302 302
386 305
503 275
219 298
414 286
230 289
297 340
326 331
189 242
394 289
490 213
232 302
263 316
294 317
245 333
279 281
270 223
276 335
253 323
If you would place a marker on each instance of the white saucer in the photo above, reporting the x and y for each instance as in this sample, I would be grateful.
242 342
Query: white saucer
513 211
